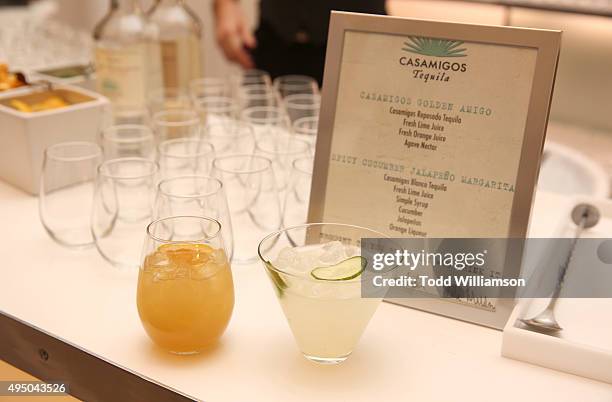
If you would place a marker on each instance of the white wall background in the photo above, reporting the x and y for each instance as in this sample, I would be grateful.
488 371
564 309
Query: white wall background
583 93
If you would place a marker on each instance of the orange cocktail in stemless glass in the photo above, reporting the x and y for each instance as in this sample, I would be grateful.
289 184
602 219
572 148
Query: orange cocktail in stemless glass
185 290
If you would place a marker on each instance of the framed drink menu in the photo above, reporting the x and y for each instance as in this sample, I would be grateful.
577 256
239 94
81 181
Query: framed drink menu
433 130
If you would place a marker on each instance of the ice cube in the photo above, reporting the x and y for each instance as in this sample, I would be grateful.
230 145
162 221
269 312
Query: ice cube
352 251
182 272
302 260
163 273
156 260
216 261
307 258
333 253
200 273
286 258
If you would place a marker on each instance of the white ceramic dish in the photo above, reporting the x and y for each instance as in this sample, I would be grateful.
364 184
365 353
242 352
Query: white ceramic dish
24 136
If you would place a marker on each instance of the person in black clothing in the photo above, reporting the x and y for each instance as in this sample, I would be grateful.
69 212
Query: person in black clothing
11 3
291 36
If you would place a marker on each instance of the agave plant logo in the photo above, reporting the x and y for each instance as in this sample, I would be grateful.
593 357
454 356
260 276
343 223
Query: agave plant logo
435 47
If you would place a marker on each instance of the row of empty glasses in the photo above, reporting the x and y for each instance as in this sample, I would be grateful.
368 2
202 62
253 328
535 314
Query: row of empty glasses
193 154
85 200
215 153
259 102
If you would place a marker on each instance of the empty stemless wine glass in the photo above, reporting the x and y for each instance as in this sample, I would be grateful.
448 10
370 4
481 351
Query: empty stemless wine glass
256 95
230 137
282 150
131 115
250 77
253 200
302 105
295 208
266 120
123 205
295 84
66 191
176 123
185 294
128 140
202 88
197 196
168 98
216 108
306 128
185 156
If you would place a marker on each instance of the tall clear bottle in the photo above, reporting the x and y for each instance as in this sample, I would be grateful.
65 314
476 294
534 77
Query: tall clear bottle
127 55
180 38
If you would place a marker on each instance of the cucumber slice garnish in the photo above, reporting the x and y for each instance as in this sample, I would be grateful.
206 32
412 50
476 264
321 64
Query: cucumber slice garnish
343 271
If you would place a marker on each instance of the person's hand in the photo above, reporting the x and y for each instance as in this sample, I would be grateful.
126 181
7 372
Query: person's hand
232 32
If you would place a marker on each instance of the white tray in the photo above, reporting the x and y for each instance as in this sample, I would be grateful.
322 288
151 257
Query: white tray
584 347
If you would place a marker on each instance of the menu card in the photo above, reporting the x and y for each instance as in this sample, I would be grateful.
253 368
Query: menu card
428 145
429 136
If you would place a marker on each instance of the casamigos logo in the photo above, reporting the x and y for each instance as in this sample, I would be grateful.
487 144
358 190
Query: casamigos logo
435 51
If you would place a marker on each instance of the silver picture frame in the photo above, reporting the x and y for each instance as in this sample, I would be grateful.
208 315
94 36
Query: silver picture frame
546 42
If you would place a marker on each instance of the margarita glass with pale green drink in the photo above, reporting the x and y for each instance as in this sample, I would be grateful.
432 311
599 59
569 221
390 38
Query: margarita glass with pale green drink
317 271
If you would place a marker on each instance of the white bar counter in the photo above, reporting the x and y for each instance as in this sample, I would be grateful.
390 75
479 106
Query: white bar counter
404 355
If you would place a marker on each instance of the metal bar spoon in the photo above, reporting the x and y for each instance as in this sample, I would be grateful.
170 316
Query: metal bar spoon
584 216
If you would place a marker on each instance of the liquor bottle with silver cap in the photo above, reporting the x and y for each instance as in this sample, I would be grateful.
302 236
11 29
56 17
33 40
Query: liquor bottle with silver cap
180 41
127 56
